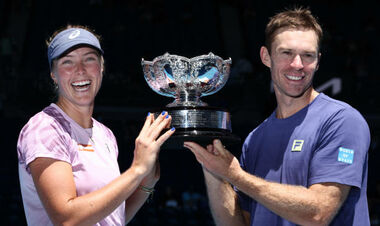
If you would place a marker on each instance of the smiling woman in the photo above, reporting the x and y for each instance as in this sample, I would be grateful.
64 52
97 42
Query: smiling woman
78 75
68 166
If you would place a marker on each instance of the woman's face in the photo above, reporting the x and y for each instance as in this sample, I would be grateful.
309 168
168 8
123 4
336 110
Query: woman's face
78 75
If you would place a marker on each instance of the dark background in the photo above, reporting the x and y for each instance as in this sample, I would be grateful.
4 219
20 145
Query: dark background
132 30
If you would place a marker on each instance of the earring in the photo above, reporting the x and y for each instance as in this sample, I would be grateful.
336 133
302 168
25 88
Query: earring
55 85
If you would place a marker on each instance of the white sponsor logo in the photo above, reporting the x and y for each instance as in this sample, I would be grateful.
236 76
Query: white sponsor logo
74 34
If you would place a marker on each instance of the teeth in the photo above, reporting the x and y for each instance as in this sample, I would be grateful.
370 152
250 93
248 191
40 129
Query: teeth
81 83
79 88
294 77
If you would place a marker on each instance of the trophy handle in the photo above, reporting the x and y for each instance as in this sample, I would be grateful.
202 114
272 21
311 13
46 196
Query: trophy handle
219 80
156 82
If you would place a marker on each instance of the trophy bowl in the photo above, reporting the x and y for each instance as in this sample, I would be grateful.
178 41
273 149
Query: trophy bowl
187 80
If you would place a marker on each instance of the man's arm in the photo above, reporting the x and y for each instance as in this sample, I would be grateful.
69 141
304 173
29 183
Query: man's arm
223 202
316 205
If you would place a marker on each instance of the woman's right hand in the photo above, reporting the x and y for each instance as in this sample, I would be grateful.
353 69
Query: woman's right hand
149 141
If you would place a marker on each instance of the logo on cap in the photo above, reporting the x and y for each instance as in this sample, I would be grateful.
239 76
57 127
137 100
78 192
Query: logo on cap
74 34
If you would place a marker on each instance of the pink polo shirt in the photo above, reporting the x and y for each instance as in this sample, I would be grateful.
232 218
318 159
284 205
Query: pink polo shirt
92 153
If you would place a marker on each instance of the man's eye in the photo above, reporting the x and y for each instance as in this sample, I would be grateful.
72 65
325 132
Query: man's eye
287 54
309 55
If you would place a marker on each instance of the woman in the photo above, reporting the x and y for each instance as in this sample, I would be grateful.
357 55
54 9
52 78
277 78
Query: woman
68 167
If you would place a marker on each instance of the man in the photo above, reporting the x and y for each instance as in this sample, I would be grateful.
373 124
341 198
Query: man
306 164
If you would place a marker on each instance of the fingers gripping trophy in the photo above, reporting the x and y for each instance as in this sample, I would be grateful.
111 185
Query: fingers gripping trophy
187 80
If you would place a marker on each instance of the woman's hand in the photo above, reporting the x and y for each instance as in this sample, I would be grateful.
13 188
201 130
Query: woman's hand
148 143
153 176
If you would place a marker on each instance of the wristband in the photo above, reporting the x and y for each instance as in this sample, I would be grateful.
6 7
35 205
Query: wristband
147 190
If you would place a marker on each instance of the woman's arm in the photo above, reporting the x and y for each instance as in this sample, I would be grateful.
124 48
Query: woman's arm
56 187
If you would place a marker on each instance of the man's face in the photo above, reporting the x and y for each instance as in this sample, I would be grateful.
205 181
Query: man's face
293 61
78 75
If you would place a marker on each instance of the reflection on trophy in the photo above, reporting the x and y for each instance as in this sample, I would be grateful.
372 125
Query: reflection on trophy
187 80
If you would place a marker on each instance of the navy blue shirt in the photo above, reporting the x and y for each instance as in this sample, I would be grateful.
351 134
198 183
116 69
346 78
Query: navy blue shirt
327 141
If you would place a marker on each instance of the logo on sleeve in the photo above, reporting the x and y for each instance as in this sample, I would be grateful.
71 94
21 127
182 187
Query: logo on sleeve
297 145
346 155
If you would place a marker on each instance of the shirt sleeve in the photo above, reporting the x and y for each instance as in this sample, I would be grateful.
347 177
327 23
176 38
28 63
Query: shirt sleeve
341 153
43 137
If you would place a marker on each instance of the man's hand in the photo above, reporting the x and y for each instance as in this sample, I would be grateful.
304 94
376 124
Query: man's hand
216 159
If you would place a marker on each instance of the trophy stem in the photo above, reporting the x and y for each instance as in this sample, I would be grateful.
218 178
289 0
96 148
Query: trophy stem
187 98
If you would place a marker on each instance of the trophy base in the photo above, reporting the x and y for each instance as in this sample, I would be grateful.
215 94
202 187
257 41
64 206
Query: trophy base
203 137
200 124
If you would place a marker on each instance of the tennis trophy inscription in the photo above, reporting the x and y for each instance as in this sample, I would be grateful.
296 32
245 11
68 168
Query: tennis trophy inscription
187 80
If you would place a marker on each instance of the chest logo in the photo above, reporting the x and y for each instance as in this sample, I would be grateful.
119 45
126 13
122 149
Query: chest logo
86 147
346 155
297 145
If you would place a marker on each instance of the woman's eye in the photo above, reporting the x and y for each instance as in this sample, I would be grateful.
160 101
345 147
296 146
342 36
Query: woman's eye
66 62
90 59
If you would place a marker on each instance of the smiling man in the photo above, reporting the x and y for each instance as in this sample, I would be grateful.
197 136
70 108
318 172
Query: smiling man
306 164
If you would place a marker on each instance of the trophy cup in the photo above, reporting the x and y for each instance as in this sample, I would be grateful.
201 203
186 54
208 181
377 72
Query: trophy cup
187 80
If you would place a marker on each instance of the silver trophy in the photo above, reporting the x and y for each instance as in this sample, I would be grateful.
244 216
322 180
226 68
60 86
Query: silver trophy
187 80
